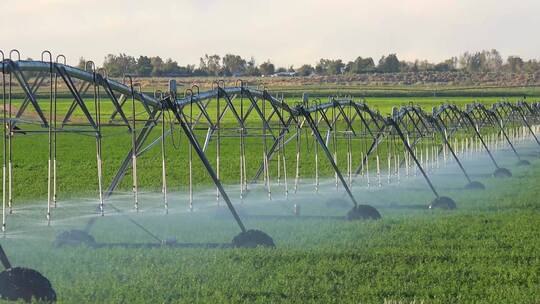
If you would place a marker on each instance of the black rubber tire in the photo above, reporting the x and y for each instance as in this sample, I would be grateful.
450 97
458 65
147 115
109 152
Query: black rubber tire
443 202
474 185
523 162
26 284
363 212
502 172
253 238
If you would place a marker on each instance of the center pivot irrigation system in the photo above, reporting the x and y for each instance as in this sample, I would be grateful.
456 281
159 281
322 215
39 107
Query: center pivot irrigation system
406 142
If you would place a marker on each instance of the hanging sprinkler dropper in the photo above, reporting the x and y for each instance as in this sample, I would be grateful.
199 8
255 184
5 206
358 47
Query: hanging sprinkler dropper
442 202
77 237
247 238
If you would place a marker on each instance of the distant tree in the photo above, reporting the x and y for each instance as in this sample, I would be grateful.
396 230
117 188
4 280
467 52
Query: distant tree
144 66
211 65
514 64
471 62
330 67
389 64
190 68
335 67
447 65
492 61
319 68
120 65
251 68
405 66
187 70
360 65
157 66
202 64
464 60
484 61
305 70
410 67
233 65
475 63
170 68
365 65
443 67
267 68
531 66
82 63
424 65
198 72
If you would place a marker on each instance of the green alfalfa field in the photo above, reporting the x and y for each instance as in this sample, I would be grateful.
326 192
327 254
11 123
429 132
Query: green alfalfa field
485 251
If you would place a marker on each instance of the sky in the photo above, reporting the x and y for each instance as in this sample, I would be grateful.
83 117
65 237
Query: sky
287 32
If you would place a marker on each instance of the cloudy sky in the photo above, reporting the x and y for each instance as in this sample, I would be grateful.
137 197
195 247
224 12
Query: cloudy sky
289 32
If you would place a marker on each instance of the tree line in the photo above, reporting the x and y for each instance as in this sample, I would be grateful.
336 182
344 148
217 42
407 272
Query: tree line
235 65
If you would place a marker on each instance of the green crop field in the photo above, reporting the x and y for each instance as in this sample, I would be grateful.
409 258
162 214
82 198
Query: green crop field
77 173
485 251
212 151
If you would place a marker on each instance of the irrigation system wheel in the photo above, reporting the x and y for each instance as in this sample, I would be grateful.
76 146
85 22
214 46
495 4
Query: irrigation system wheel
443 202
19 283
170 241
474 185
26 284
363 212
523 162
502 172
253 238
74 237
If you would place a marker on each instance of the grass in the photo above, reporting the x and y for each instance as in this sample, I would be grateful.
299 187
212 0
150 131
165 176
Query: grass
486 251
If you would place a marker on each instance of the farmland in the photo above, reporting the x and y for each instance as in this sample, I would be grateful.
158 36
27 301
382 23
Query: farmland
77 163
381 152
485 251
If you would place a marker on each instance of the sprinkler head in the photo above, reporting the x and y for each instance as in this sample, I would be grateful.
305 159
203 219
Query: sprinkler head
253 238
474 185
523 162
170 241
443 202
363 212
74 237
296 209
502 172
